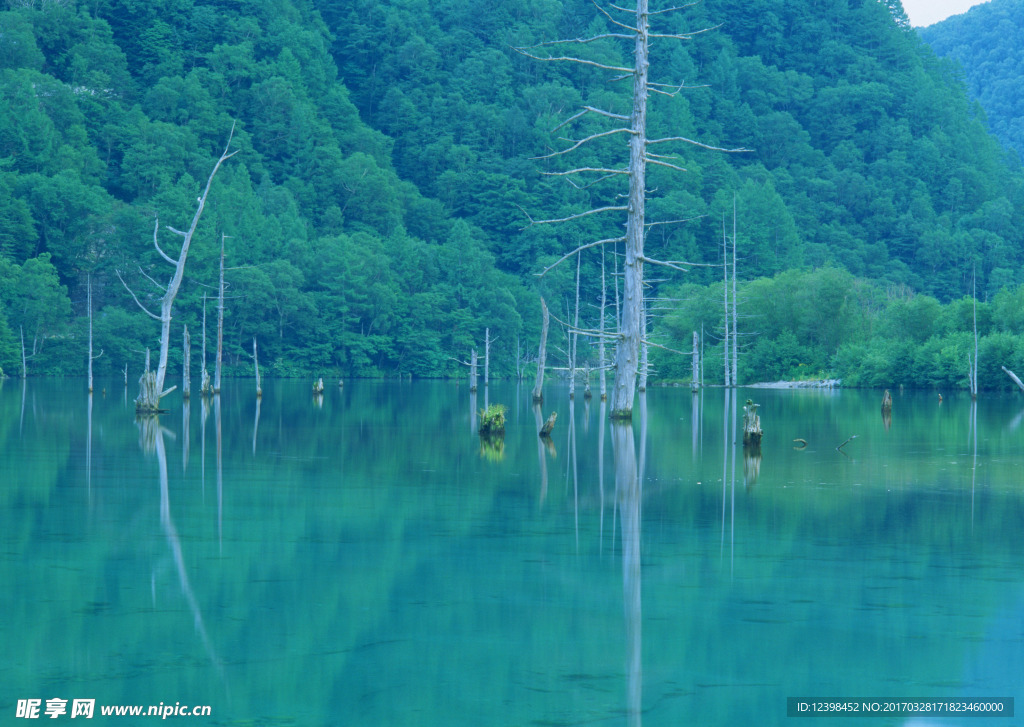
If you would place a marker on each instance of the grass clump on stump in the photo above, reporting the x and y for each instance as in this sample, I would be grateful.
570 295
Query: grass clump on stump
492 420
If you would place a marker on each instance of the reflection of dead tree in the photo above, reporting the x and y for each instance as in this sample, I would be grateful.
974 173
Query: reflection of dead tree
627 495
152 434
151 385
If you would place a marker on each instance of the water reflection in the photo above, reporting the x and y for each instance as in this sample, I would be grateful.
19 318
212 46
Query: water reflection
627 495
256 423
151 440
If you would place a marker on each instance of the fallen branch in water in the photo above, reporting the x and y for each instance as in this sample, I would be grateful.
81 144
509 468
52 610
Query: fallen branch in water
840 447
801 442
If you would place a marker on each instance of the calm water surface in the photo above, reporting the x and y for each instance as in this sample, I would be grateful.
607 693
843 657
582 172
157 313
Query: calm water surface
367 560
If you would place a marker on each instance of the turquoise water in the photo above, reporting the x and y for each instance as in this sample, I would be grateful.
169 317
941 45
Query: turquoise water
367 560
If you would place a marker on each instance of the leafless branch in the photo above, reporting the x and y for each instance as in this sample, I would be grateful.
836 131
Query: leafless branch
164 255
622 208
130 292
666 348
571 59
695 143
581 142
162 287
565 257
674 222
664 164
664 264
581 41
685 36
672 10
586 169
588 185
613 20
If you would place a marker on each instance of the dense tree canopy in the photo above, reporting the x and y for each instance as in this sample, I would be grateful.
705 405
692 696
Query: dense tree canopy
376 220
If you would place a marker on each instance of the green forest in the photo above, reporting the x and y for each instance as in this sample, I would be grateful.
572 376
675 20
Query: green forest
377 218
988 42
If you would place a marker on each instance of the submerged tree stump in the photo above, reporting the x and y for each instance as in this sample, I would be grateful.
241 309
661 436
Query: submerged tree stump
492 421
751 425
148 401
545 431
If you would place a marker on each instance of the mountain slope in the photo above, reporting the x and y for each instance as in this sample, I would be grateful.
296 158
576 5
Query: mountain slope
988 42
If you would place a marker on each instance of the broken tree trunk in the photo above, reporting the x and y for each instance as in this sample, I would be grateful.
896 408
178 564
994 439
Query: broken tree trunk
318 387
751 425
472 370
886 401
538 387
1013 376
545 431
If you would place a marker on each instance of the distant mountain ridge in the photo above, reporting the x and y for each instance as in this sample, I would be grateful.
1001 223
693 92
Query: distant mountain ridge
988 41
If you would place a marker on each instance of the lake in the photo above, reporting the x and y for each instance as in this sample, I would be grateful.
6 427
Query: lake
365 559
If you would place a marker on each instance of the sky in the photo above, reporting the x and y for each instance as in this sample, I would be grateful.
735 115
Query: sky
927 12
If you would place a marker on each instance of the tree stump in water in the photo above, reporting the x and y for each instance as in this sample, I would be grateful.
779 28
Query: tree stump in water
148 401
886 402
545 431
492 421
751 425
318 387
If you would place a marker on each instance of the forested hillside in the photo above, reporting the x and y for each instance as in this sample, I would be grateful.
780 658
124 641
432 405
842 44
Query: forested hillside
988 43
377 219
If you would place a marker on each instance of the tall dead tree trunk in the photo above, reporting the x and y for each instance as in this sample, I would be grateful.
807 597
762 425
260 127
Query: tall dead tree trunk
91 357
573 335
627 350
149 398
629 334
186 366
735 322
538 387
220 321
473 358
600 345
205 387
256 364
24 359
695 371
972 365
644 353
487 356
725 296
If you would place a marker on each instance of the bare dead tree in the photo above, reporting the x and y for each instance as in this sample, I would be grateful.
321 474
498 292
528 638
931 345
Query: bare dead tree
629 332
151 385
538 386
220 321
91 357
205 387
186 368
256 363
735 324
